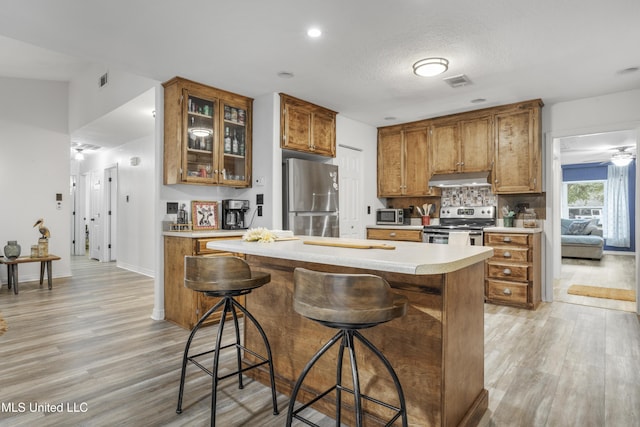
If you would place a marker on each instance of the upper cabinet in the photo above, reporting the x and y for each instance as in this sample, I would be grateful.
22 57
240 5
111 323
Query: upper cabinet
460 145
307 127
402 163
518 146
207 135
504 140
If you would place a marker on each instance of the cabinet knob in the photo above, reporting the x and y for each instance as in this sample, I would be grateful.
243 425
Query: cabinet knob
507 291
506 272
507 254
507 240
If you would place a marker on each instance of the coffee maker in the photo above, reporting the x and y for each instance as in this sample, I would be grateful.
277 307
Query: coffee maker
233 214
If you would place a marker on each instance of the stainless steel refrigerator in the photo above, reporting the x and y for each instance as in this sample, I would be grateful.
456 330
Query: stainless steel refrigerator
310 198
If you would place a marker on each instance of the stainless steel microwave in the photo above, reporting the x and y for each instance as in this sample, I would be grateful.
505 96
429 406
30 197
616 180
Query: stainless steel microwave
390 217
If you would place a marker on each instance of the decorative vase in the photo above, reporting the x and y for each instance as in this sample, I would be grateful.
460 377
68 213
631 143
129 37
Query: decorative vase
12 250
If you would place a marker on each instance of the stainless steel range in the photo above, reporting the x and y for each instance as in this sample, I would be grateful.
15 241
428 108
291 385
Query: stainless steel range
461 218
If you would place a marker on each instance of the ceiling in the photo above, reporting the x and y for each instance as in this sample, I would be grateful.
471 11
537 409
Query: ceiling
596 147
360 66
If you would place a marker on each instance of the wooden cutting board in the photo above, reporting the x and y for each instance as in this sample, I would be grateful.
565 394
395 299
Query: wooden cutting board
349 245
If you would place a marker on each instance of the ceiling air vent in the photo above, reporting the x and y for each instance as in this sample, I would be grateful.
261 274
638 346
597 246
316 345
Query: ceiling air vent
104 79
457 81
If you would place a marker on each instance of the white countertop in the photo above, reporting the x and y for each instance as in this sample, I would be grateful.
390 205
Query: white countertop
205 234
406 258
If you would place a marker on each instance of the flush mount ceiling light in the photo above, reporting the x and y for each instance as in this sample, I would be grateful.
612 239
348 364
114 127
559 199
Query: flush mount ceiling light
314 33
79 156
621 158
430 67
201 132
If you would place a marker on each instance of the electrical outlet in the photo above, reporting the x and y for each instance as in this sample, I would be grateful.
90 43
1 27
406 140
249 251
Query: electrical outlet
172 207
259 199
259 210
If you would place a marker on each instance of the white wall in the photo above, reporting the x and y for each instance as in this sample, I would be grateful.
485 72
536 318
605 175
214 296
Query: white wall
135 229
616 111
88 101
34 167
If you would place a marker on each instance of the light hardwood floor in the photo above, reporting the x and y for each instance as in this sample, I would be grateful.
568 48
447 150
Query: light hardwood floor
90 341
612 271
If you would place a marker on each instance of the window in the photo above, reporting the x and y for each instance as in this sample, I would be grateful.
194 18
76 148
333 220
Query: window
584 199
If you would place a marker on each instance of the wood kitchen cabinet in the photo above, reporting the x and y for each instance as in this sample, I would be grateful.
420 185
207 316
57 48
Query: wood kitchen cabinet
504 140
460 145
307 127
182 305
395 234
513 274
403 163
207 135
518 149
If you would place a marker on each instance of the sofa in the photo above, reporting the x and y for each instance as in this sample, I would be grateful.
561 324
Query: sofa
581 238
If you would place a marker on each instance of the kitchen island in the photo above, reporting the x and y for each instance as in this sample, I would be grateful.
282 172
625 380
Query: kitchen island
437 349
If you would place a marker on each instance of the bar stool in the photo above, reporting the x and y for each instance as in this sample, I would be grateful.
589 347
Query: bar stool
348 302
226 278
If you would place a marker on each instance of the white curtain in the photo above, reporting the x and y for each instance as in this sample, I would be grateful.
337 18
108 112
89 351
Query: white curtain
617 227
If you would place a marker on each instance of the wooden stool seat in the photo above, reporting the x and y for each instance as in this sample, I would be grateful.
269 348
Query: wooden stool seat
218 276
225 277
354 300
349 303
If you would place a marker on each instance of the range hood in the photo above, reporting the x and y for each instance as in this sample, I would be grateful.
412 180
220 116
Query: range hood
464 179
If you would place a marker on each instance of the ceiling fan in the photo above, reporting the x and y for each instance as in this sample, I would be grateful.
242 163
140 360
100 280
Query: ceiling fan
622 157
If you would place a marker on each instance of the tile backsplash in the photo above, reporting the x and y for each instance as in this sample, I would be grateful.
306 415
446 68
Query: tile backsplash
468 196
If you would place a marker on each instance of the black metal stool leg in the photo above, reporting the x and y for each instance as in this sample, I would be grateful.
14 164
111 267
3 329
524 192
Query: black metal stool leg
339 380
394 376
356 378
186 351
290 412
216 359
268 348
238 344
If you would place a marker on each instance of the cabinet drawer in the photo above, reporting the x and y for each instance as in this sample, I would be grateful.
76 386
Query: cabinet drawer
393 234
510 254
508 239
518 272
507 291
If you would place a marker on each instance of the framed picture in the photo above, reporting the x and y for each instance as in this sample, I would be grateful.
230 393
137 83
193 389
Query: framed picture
204 215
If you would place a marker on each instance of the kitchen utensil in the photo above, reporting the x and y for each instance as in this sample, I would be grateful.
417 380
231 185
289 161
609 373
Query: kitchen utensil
349 245
420 211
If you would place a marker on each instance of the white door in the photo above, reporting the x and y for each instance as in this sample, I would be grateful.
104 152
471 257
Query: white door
95 220
351 202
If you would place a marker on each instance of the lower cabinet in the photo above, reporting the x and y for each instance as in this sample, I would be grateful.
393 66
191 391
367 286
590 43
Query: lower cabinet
394 234
183 306
513 274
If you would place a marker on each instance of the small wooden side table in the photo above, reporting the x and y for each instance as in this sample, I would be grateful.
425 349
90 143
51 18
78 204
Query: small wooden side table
12 269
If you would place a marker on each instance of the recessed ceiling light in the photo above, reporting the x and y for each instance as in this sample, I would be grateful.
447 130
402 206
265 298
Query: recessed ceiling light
314 32
429 67
285 75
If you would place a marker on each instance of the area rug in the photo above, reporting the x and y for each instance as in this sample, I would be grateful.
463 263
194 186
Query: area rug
3 325
597 292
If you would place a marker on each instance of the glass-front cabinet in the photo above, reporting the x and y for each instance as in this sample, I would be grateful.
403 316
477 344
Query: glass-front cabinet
234 146
199 159
207 135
